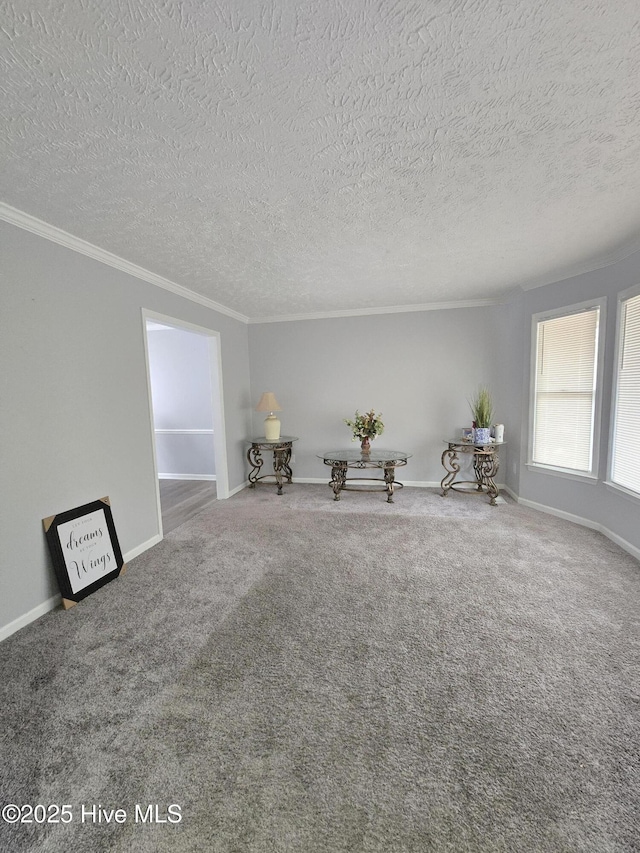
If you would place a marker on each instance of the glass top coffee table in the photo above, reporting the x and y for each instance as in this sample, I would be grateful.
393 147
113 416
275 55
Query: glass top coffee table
385 461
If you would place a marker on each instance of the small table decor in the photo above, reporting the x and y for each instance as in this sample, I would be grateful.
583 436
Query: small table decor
281 449
482 411
385 461
365 428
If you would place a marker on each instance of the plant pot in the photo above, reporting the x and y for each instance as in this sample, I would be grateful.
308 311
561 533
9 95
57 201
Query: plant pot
482 435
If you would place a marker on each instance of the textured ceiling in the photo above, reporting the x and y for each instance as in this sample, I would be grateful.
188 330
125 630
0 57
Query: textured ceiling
288 158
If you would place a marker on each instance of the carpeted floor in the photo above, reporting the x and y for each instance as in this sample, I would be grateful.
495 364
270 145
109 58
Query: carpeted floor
299 674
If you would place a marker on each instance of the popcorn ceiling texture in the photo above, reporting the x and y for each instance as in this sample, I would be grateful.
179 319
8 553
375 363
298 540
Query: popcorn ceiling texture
285 158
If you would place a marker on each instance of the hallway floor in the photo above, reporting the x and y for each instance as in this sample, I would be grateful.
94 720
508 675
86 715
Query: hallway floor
182 499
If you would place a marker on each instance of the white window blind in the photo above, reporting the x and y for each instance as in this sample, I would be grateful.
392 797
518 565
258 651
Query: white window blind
625 463
565 387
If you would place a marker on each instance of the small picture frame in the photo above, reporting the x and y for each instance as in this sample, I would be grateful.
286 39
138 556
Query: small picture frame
84 548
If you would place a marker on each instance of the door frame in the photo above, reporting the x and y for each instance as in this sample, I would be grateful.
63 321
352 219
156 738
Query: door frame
217 400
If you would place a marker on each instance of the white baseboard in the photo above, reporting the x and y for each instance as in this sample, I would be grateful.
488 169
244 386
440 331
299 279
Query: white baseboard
140 549
324 480
52 603
510 492
415 484
583 522
568 516
626 546
238 489
31 616
55 601
186 476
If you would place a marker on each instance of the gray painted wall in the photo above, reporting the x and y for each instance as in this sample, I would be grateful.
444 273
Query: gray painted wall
179 365
74 403
594 501
419 369
74 407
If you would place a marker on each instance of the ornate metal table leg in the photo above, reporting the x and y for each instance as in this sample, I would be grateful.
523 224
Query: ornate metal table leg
286 468
486 467
451 465
256 461
389 477
479 457
338 479
280 465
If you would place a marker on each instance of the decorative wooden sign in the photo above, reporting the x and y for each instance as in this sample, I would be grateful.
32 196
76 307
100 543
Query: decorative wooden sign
84 548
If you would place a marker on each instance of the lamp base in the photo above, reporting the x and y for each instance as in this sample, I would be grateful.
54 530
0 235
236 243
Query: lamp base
271 428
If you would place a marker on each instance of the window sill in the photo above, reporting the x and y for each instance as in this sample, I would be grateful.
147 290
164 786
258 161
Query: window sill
622 491
580 476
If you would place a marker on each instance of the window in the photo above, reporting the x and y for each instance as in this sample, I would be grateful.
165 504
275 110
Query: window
625 455
565 389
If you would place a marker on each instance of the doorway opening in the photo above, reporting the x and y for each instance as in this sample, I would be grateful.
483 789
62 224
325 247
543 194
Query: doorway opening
184 379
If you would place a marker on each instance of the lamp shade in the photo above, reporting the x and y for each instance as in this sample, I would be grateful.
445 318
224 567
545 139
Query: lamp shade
268 403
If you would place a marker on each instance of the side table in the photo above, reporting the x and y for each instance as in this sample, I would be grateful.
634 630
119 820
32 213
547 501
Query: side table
281 449
485 466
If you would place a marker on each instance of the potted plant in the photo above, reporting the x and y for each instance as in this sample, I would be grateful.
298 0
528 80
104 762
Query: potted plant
482 411
365 428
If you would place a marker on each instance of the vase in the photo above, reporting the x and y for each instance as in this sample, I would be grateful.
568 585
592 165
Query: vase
365 445
481 435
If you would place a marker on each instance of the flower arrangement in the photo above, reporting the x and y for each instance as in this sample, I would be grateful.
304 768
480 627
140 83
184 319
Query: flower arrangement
364 426
482 408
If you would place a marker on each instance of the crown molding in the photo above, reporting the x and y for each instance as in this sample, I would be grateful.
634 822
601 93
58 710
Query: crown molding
50 232
387 309
43 229
591 265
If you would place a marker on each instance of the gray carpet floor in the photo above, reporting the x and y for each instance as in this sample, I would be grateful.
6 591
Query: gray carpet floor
299 674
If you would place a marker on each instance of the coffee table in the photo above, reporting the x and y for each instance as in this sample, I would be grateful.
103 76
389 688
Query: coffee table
384 461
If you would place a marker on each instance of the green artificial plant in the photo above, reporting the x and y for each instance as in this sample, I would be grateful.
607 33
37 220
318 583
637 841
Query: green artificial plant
482 408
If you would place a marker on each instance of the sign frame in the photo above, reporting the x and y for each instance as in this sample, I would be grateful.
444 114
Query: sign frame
84 548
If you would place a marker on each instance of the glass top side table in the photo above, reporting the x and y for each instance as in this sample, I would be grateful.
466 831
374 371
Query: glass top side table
281 449
342 461
486 461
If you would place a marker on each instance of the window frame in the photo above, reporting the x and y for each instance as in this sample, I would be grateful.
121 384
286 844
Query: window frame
623 296
555 314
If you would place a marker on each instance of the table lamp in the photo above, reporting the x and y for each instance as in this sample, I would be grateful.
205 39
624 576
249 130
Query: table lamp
268 403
